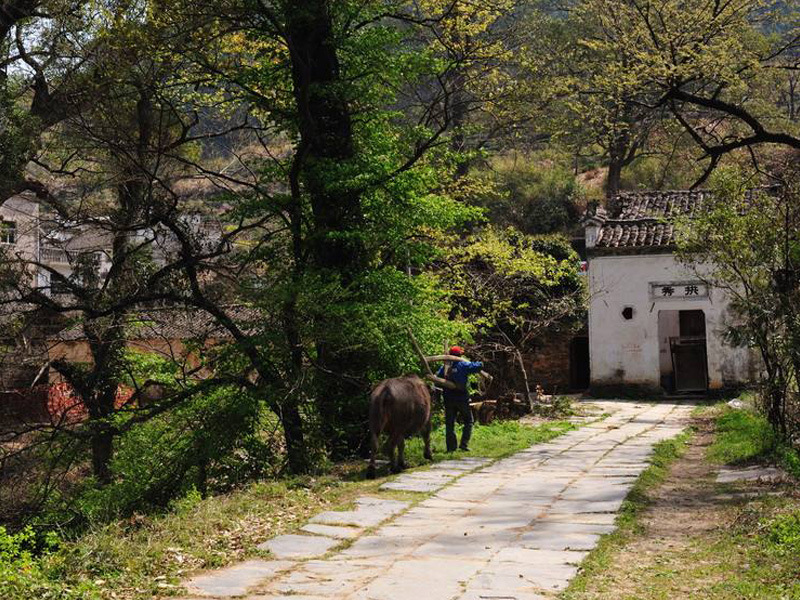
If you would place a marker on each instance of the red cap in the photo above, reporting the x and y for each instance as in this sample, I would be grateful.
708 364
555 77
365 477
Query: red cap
456 351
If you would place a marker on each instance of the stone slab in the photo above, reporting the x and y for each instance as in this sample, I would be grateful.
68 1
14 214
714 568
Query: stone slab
585 506
237 579
530 578
579 518
750 474
555 540
422 487
469 493
558 527
597 494
461 465
425 481
519 555
388 506
285 597
395 588
334 531
478 546
368 513
298 546
496 594
379 546
324 578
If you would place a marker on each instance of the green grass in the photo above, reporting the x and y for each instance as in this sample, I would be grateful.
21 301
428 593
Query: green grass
496 440
744 437
752 557
628 525
758 556
748 549
150 554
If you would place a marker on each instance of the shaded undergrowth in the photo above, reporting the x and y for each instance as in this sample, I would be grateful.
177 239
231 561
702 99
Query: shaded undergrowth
147 555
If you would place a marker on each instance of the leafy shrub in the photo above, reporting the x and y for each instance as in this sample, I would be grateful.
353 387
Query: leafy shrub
534 194
784 532
26 572
16 548
209 442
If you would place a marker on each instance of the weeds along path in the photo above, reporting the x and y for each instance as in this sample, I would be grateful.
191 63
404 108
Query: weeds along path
515 529
687 536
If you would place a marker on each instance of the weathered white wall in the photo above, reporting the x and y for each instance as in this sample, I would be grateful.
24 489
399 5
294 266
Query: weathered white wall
628 352
24 212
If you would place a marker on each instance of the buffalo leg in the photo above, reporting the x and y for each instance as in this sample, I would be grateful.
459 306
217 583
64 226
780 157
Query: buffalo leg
371 470
426 438
401 459
394 443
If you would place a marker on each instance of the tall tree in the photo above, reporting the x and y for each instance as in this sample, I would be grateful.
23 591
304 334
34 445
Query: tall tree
45 49
122 223
364 126
746 242
708 63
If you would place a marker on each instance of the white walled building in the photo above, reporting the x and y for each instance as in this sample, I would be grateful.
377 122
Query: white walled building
654 325
45 244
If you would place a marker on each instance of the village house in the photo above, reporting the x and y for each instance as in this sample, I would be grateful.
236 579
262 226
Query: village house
46 245
49 246
50 252
655 326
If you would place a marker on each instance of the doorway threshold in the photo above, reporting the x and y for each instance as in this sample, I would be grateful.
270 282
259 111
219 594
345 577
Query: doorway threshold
686 396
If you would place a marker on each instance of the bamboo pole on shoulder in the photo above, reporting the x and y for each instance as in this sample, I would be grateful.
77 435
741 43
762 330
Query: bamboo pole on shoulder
437 380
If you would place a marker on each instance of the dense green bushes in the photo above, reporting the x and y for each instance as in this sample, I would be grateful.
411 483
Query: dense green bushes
532 193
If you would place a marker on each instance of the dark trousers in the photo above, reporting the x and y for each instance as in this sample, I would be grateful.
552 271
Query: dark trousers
452 409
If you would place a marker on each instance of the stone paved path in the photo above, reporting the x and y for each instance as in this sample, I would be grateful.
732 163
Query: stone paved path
516 529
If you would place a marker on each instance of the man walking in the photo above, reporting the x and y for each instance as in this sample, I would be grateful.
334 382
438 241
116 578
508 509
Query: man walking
456 402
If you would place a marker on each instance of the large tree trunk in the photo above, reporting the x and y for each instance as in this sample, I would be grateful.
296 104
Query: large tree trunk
107 339
99 392
618 153
326 143
291 420
614 178
292 423
326 133
102 452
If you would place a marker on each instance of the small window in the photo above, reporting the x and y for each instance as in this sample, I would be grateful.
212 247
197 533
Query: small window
59 286
8 232
627 313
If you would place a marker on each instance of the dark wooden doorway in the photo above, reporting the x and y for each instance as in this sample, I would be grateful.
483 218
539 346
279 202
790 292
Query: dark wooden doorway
688 350
579 373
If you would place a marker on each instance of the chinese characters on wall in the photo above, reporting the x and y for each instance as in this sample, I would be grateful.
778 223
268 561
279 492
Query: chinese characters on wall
678 290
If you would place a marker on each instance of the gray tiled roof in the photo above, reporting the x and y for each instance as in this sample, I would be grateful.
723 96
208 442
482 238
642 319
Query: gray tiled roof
639 220
172 324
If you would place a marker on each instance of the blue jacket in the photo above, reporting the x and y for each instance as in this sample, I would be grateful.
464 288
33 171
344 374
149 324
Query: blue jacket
459 374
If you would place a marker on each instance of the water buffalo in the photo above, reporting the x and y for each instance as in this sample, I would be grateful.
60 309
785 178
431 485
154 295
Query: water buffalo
399 407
